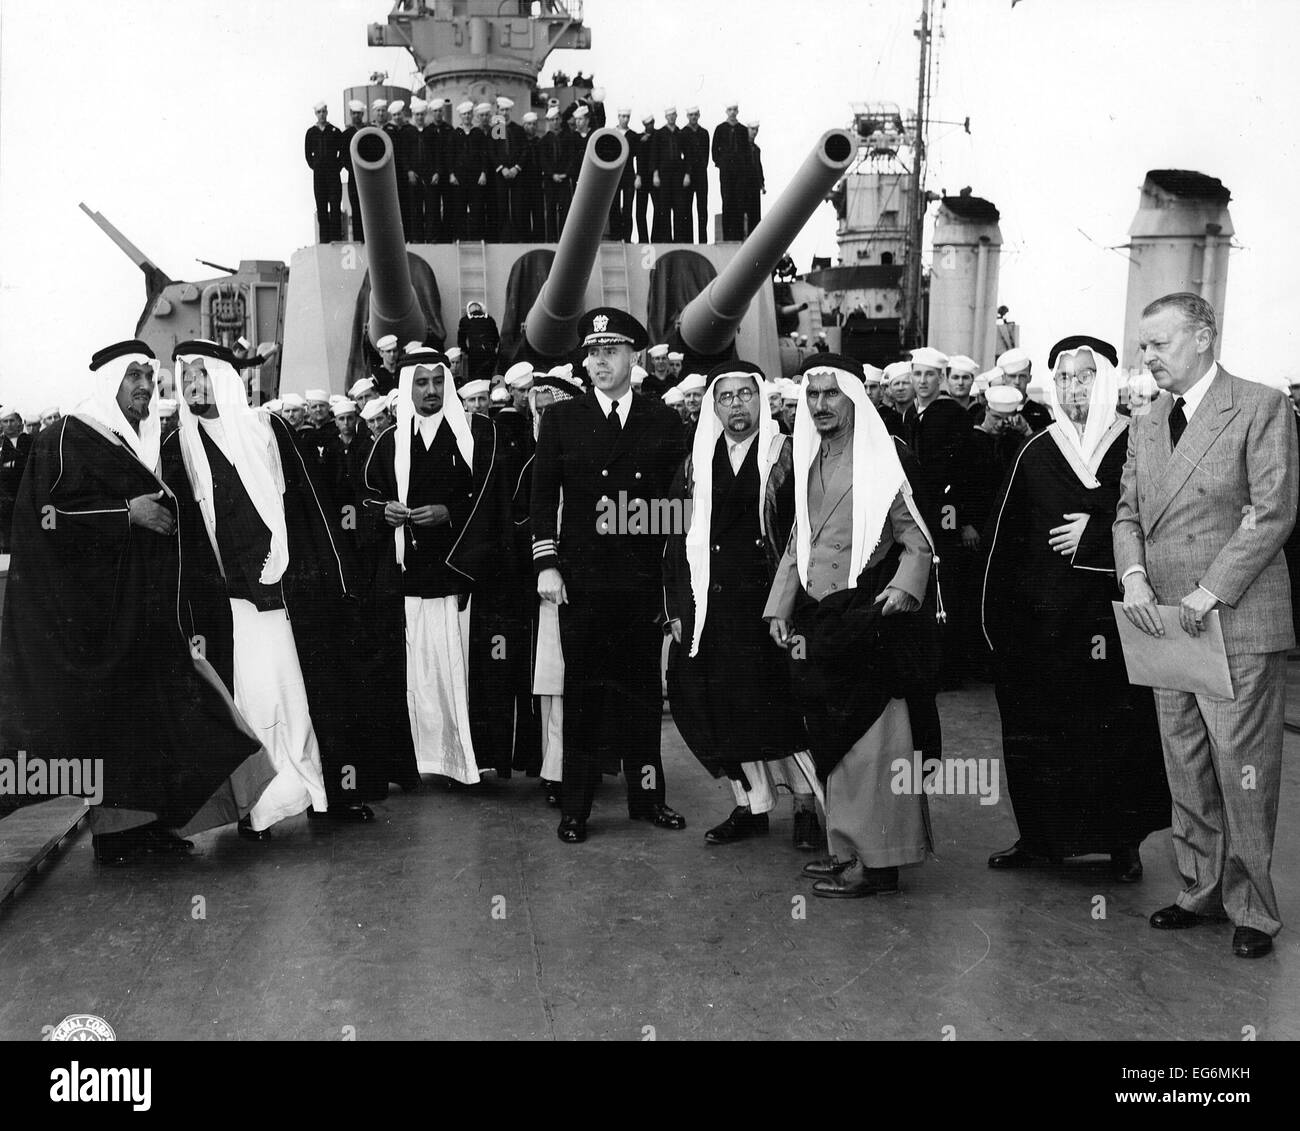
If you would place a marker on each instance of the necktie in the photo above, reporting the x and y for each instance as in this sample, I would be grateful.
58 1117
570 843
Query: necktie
1177 423
615 425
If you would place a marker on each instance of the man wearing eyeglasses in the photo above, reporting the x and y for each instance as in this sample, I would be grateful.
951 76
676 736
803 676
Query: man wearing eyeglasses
737 488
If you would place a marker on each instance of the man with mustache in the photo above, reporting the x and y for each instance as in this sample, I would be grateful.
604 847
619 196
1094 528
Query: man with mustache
94 659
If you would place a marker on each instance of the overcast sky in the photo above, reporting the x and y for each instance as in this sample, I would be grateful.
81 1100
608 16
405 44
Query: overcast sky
188 136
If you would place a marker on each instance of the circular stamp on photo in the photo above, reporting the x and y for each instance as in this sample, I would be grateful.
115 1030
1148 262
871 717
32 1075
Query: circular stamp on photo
83 1027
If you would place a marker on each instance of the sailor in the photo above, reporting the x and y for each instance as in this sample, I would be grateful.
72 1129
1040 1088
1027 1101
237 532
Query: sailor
532 215
384 373
755 185
938 432
961 381
437 144
363 391
168 421
343 459
421 174
553 165
322 148
293 410
731 155
377 417
675 359
578 138
859 557
998 436
438 504
454 198
509 142
660 379
15 445
672 223
602 447
623 206
399 131
318 413
897 378
676 401
473 170
31 423
357 114
728 682
50 415
456 362
93 660
692 387
790 405
695 143
519 380
379 113
644 179
1017 370
479 337
1080 745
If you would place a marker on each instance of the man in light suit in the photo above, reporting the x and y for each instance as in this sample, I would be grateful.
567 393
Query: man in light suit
1207 500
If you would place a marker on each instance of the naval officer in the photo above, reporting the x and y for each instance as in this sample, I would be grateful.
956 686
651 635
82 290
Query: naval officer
604 573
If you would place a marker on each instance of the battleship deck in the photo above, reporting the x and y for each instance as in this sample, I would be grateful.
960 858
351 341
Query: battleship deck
461 916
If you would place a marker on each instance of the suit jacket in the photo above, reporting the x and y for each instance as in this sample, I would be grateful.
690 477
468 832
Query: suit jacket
574 455
831 545
1216 512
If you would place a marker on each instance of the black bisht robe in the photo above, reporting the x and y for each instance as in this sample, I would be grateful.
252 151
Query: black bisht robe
483 557
94 660
1080 745
732 702
362 749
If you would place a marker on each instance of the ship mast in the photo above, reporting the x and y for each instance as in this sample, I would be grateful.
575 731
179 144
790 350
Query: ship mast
912 330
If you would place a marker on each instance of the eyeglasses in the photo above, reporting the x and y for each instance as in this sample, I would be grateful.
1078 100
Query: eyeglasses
743 395
1082 376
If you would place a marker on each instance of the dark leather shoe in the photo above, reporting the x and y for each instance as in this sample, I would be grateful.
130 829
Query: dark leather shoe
1250 943
552 791
1013 857
1175 918
808 833
856 882
247 831
353 814
163 842
572 830
1126 866
821 869
741 824
116 850
659 815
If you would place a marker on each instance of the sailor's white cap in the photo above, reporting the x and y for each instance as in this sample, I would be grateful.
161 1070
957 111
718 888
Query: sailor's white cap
674 355
318 106
453 353
465 107
317 396
692 383
473 388
343 407
1004 399
871 375
387 342
673 396
396 106
530 117
374 408
359 388
929 358
519 375
504 103
897 369
418 106
292 400
357 107
661 350
960 363
1014 361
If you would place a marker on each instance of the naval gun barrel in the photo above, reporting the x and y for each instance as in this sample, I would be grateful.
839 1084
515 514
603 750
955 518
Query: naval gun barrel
710 320
394 309
551 326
